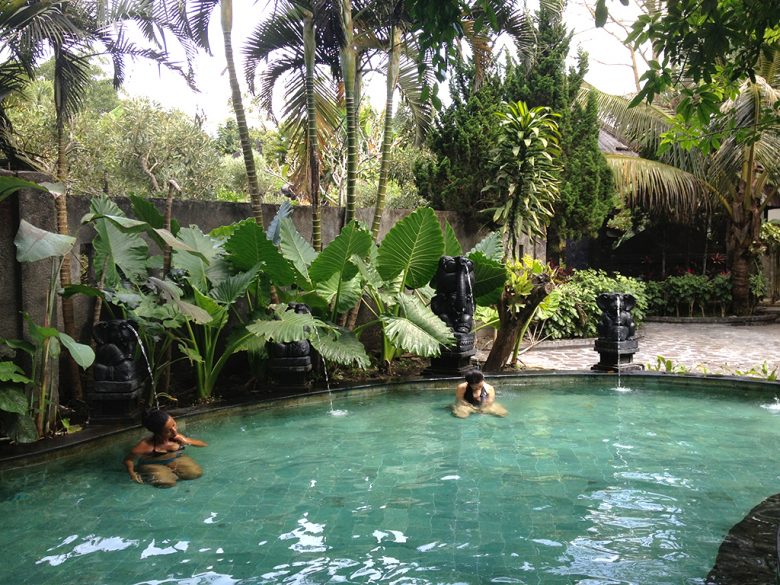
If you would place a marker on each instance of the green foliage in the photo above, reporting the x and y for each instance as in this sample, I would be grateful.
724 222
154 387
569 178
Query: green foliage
34 245
770 235
680 295
15 421
524 187
714 44
461 141
412 249
578 314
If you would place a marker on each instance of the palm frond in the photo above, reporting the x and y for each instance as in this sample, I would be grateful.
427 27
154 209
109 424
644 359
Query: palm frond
72 75
660 188
746 111
639 127
411 87
199 13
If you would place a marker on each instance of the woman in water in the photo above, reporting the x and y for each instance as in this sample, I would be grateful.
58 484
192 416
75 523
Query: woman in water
161 458
476 395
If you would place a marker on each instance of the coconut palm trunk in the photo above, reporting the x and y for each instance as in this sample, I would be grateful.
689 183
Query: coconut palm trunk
255 196
387 142
312 144
348 66
61 207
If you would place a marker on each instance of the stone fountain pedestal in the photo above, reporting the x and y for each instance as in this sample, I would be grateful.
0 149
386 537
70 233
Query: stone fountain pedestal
454 304
290 363
117 392
617 342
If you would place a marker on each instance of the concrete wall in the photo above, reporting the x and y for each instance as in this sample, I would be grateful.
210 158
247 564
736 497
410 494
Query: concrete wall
23 287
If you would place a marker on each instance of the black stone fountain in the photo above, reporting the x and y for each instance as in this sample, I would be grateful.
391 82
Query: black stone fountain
454 304
290 363
617 342
117 389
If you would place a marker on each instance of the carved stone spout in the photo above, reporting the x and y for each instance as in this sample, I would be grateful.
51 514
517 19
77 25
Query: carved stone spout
617 341
117 388
454 304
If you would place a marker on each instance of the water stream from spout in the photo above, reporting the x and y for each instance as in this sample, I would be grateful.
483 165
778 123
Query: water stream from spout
332 412
620 387
148 365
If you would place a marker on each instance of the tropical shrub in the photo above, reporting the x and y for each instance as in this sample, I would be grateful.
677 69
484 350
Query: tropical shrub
577 314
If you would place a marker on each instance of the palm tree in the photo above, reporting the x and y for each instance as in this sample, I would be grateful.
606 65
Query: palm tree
740 176
75 32
194 19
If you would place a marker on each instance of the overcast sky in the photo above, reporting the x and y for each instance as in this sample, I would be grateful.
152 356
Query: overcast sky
144 79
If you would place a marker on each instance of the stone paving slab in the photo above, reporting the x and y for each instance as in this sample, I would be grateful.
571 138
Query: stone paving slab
701 348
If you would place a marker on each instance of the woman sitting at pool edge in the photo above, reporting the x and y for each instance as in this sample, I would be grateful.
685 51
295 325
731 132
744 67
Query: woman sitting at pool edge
476 395
161 458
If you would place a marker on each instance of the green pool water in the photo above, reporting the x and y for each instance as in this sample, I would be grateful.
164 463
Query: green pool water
579 484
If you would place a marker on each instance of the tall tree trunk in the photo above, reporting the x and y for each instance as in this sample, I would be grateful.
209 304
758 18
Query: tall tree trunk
255 196
348 65
61 206
312 143
387 142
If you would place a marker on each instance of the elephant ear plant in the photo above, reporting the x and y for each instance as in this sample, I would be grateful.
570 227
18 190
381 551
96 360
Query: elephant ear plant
45 341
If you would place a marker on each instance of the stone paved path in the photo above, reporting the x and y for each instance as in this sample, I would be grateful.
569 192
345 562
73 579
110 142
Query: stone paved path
720 349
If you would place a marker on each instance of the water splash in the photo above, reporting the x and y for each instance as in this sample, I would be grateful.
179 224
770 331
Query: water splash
772 406
148 365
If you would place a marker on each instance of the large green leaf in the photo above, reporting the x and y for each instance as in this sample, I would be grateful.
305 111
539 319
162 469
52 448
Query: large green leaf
248 246
335 258
10 372
288 326
193 312
33 244
412 248
13 400
341 348
296 249
118 251
234 286
145 210
345 293
418 330
203 267
490 246
452 246
489 278
82 354
10 185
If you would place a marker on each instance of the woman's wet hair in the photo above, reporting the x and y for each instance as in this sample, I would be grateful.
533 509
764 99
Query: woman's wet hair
155 420
474 377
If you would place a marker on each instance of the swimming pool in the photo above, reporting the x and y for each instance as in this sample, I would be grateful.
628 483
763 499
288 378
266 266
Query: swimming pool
581 483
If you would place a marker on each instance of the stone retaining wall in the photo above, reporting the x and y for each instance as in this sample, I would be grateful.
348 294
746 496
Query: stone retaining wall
23 286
